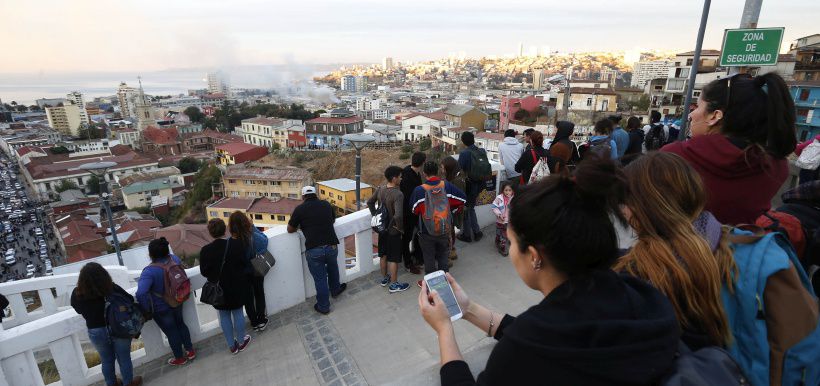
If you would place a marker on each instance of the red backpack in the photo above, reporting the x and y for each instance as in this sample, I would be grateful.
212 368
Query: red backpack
177 284
437 218
787 225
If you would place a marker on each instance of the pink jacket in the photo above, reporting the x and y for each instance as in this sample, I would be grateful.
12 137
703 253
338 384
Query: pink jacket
803 145
501 208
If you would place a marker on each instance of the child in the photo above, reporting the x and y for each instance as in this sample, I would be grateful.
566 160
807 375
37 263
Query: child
501 208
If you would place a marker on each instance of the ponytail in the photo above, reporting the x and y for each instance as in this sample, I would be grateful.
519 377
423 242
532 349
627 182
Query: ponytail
781 115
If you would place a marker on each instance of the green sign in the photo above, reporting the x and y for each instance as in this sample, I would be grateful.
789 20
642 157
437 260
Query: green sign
751 47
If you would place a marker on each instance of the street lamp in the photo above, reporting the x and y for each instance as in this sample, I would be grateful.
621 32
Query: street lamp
358 141
99 169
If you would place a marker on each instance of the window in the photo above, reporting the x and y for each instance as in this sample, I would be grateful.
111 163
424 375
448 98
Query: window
291 195
231 181
280 218
48 186
226 214
696 93
323 191
690 61
257 217
804 94
79 180
247 182
213 213
589 101
339 196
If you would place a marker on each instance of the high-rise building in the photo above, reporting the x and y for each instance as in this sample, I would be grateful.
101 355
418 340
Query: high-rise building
76 98
387 63
520 49
646 71
348 83
127 97
218 83
538 79
66 119
361 83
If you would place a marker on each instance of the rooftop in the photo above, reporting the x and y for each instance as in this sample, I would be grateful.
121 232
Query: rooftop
55 166
237 147
265 121
458 110
233 203
335 120
280 206
146 186
342 184
185 239
280 173
590 91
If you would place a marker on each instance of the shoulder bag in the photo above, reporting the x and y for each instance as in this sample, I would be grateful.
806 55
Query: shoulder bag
262 263
211 292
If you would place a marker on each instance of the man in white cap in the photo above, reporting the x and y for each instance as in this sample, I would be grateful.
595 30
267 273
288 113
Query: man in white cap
316 217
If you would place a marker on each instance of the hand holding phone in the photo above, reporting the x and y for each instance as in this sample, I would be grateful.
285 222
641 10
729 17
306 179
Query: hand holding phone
437 281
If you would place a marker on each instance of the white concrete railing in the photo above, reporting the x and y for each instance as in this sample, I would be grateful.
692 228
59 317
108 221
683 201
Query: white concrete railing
60 331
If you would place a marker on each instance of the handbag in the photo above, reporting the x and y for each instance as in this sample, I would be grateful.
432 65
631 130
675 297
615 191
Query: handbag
211 292
262 263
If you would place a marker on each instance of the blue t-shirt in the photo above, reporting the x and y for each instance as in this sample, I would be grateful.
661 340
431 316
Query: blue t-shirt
621 138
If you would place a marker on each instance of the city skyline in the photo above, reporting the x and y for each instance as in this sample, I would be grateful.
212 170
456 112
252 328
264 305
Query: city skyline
102 36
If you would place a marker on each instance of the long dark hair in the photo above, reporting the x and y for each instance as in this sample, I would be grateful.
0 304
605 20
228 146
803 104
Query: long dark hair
240 227
567 219
563 131
158 249
451 168
94 282
757 109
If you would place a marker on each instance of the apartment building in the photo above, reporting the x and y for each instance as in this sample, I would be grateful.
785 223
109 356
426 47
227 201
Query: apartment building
645 71
328 131
239 152
265 132
465 116
341 194
416 126
264 212
67 119
275 182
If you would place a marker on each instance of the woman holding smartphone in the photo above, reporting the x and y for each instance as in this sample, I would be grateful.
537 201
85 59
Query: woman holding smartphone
594 326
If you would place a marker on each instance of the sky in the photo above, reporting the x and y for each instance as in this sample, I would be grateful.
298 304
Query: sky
69 36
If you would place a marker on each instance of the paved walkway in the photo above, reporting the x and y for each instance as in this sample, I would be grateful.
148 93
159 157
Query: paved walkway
371 337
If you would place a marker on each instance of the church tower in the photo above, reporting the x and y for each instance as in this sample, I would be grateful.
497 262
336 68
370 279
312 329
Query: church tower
146 116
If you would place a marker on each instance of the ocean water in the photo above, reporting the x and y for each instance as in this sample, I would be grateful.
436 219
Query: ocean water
26 88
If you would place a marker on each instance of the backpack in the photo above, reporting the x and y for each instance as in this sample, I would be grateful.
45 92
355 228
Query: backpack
541 169
381 220
123 317
777 343
810 157
177 285
436 218
480 169
655 138
707 366
600 147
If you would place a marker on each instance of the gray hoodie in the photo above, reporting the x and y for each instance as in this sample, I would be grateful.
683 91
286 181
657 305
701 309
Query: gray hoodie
510 150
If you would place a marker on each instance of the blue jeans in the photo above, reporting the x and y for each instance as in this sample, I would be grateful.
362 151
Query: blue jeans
321 262
111 349
171 323
233 326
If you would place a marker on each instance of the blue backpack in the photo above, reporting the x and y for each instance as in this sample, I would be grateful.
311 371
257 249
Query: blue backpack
123 317
796 362
260 241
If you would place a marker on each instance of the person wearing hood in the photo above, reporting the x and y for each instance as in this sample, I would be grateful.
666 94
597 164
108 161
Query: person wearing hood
593 326
563 149
510 150
636 136
742 132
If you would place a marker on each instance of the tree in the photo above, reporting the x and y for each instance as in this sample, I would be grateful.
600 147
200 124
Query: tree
425 144
59 150
195 114
275 146
93 185
22 108
188 165
34 108
65 185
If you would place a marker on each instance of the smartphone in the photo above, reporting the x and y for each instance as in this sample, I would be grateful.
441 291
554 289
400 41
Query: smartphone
437 281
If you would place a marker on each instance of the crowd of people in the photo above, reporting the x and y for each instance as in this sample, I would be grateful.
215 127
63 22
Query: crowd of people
613 312
696 275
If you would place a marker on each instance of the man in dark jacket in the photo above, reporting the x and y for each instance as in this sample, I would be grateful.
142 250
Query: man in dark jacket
410 179
471 229
390 197
316 217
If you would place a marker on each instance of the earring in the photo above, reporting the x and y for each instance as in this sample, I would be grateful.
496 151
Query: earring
537 266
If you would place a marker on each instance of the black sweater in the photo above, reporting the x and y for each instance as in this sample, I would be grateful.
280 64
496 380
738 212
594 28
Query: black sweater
234 280
526 163
605 329
93 309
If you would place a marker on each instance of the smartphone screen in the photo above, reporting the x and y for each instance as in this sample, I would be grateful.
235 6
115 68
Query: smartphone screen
439 284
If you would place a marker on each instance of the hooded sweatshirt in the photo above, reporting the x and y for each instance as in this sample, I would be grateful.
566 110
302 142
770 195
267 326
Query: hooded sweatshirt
603 329
510 150
739 184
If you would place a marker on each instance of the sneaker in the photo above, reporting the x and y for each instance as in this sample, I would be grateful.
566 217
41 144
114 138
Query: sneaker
245 343
418 283
177 361
191 355
464 239
478 236
256 328
398 287
316 307
342 288
235 348
385 281
261 326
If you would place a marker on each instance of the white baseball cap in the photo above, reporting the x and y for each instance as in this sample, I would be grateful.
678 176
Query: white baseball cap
308 190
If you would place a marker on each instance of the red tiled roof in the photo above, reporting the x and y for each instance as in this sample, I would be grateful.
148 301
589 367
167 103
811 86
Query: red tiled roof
145 224
238 147
280 206
162 136
590 91
233 203
436 115
83 254
492 136
53 166
340 120
185 239
79 231
23 150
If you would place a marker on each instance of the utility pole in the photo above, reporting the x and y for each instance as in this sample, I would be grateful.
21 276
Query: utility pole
693 71
748 19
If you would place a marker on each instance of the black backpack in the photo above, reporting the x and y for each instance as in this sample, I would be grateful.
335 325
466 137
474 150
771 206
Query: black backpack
381 220
600 147
480 169
655 138
707 366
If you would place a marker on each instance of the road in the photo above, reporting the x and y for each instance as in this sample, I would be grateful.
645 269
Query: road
18 230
